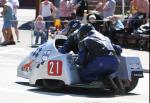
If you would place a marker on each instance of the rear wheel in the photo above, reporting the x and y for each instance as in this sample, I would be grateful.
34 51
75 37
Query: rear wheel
53 84
133 84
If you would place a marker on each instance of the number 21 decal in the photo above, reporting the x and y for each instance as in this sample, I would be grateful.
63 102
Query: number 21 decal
55 68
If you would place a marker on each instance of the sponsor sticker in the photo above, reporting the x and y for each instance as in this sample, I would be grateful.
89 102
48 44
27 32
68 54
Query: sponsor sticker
55 67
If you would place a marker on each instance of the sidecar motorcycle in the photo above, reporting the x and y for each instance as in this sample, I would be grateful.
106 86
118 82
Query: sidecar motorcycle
55 70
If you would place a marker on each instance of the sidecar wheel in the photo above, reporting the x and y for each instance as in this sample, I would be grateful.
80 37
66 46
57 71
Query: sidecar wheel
133 84
53 84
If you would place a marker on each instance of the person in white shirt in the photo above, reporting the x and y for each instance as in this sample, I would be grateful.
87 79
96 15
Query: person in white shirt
48 11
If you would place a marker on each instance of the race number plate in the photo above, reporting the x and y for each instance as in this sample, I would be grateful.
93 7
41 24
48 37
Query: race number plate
55 68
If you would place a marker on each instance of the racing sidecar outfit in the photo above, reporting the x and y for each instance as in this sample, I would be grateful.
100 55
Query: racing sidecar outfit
96 56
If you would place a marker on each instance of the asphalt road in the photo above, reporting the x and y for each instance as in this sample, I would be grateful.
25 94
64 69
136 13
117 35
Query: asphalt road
14 89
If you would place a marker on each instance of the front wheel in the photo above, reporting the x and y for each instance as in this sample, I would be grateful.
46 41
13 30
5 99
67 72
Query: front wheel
133 84
53 84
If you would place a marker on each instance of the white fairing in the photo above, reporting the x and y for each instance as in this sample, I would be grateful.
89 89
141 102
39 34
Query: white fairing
21 72
50 64
56 65
129 65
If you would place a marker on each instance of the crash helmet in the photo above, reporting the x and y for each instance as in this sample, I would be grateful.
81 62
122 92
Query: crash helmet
73 25
84 30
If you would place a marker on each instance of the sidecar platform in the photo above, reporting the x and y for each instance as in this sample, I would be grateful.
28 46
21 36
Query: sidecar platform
94 84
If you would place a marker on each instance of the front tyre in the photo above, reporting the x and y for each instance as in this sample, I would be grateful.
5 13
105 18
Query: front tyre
53 84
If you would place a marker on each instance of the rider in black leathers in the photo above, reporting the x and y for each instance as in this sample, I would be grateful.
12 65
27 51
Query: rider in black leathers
97 57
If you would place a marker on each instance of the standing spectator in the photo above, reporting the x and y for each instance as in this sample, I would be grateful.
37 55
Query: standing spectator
39 30
66 8
47 10
80 7
15 5
7 17
107 7
57 4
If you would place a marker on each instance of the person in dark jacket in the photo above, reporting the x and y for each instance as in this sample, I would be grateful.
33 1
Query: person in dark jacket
71 43
97 57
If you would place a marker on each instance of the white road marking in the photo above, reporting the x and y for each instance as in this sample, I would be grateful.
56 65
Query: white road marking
14 91
9 62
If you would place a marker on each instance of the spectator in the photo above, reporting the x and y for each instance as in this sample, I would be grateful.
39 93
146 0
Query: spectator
65 30
142 14
66 8
114 26
47 10
7 17
15 5
57 4
99 6
107 8
92 20
96 19
80 8
39 29
133 8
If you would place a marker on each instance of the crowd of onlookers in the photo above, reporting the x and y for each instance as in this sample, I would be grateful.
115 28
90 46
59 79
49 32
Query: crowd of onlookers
65 10
74 9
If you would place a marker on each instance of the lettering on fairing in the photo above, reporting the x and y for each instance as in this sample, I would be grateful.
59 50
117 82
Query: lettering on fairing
134 65
46 55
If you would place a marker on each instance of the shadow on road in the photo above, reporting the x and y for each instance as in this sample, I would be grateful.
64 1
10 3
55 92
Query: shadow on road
26 26
24 83
81 92
75 91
